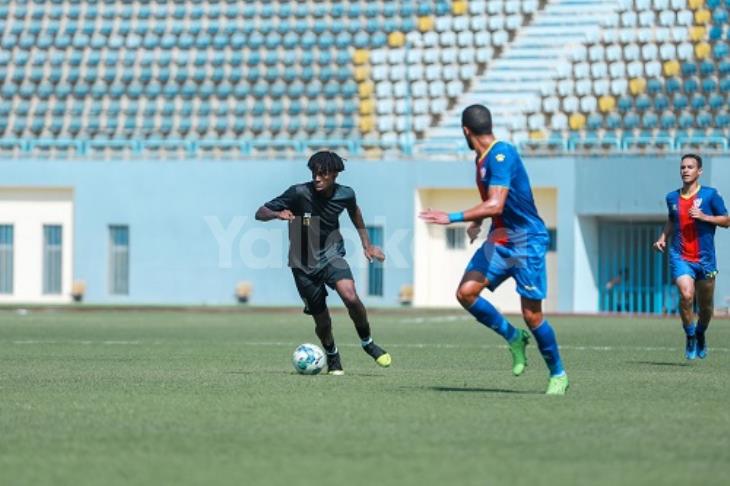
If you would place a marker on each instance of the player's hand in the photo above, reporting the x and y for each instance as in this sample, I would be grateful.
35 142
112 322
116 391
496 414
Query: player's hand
660 245
696 213
434 217
473 231
286 215
374 253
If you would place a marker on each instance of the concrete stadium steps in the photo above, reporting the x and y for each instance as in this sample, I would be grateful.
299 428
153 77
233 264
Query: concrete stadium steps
511 85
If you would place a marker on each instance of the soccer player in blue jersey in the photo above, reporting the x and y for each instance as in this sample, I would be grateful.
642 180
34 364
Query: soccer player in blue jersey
694 213
515 246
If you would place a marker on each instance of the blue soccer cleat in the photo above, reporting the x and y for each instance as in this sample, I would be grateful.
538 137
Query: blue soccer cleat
701 345
690 350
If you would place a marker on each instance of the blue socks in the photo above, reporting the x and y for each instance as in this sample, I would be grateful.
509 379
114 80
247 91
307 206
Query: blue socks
690 330
488 315
548 345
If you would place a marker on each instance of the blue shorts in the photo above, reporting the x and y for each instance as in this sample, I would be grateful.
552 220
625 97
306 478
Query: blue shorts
526 264
697 271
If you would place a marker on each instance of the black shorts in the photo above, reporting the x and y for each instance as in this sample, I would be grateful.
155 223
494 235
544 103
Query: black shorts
311 285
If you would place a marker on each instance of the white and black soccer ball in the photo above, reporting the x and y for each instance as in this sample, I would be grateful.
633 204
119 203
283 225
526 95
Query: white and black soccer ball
308 359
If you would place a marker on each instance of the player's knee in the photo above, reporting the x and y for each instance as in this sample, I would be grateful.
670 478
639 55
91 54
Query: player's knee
466 296
531 318
350 298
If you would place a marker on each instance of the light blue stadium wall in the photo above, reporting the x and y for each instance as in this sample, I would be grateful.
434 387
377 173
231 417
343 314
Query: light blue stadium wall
175 256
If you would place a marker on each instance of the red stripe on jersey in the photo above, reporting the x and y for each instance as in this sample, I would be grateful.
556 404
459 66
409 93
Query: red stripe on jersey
498 234
688 230
480 185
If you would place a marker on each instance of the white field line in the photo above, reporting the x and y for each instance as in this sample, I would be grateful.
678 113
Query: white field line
396 346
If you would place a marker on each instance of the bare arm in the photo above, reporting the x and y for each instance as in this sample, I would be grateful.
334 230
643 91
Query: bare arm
721 221
661 243
493 206
266 214
371 252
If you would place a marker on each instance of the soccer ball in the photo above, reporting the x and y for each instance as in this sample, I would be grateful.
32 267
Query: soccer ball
308 359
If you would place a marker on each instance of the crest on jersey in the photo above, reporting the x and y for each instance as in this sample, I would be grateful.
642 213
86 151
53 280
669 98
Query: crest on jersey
674 207
482 172
500 157
697 202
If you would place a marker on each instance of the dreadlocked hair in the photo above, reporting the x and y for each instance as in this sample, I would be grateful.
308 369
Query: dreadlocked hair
326 162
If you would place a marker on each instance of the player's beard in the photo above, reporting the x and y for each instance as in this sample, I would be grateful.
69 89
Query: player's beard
468 142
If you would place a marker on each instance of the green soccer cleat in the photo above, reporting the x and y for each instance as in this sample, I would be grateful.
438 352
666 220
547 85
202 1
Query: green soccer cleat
557 385
519 357
381 357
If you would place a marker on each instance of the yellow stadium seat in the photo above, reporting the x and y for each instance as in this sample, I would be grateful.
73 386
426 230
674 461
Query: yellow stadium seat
637 86
537 135
577 121
697 33
695 4
702 50
362 73
459 7
366 124
361 56
703 16
367 107
396 39
606 103
365 90
671 68
425 24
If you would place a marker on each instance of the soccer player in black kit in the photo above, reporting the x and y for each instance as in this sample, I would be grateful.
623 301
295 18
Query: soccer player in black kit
316 251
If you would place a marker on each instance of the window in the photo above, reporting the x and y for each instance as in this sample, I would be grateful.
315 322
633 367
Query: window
375 269
119 260
6 259
553 235
52 246
456 238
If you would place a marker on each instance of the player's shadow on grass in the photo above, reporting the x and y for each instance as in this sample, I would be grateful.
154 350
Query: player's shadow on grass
659 363
481 390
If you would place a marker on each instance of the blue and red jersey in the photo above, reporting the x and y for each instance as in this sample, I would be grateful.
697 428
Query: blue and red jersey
501 165
694 240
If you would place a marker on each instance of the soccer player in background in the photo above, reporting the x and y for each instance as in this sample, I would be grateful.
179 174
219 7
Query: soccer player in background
316 251
515 246
694 213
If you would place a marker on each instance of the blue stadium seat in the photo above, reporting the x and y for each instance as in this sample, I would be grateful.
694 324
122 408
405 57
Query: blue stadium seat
625 104
661 102
668 120
8 90
642 103
725 85
722 119
688 69
672 85
654 86
631 121
706 68
686 121
721 50
680 102
649 120
594 121
691 85
698 101
295 107
306 74
272 73
372 26
703 119
716 101
613 121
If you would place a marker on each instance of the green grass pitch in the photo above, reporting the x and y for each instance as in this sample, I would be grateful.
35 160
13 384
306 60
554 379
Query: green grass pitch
162 397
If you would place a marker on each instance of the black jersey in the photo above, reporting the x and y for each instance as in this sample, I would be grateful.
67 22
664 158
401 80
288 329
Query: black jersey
314 235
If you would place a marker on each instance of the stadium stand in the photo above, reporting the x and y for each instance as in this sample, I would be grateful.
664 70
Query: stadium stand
229 75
